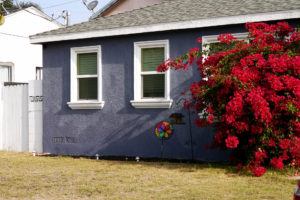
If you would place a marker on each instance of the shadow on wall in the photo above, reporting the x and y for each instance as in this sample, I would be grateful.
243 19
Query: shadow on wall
119 129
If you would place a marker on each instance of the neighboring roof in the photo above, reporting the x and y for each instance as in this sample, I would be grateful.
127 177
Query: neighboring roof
107 6
174 15
34 11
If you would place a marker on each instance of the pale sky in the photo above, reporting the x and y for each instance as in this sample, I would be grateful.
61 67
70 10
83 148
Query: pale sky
79 13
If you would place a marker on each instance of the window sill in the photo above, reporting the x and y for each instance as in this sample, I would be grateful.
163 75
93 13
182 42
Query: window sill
86 105
152 103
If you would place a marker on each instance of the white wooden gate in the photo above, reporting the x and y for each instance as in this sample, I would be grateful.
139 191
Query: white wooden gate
21 117
15 118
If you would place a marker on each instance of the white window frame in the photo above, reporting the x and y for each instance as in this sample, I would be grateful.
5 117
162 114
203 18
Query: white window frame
214 39
139 101
75 103
11 67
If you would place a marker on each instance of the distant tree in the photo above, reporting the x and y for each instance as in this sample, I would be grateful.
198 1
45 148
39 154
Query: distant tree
11 5
8 4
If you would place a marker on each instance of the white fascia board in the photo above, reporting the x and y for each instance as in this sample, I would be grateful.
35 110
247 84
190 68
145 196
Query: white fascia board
201 23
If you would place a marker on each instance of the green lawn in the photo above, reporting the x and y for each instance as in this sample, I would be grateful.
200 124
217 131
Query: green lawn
25 177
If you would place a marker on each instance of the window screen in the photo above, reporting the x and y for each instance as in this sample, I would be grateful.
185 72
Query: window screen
86 72
5 74
154 85
152 58
88 88
87 64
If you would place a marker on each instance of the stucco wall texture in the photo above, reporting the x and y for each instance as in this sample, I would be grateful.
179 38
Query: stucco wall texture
120 129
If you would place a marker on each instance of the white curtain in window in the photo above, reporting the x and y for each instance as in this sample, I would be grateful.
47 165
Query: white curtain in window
4 74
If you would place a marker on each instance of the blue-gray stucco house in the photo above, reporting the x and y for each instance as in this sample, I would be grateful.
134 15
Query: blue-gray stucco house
103 96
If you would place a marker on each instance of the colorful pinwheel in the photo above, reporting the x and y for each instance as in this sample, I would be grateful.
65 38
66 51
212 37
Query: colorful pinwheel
164 130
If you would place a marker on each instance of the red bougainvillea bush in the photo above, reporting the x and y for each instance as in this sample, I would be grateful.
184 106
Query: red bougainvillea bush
250 92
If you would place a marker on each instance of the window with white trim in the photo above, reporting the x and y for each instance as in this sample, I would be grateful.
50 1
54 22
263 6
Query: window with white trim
212 45
151 88
6 70
86 81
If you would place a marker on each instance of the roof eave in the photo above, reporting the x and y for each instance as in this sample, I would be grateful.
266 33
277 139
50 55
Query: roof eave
44 15
200 23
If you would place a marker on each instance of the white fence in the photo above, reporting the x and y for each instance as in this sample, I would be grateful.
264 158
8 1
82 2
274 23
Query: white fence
21 117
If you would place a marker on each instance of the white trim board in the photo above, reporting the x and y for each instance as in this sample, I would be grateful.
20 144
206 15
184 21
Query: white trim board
209 22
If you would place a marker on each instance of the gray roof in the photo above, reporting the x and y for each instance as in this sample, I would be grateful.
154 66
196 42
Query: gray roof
178 11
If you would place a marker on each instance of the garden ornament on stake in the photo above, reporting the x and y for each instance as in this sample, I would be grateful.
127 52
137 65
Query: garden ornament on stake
163 131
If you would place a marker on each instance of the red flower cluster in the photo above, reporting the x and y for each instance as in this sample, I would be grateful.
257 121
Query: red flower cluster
232 142
260 156
277 163
226 38
284 144
259 105
255 166
258 171
252 92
